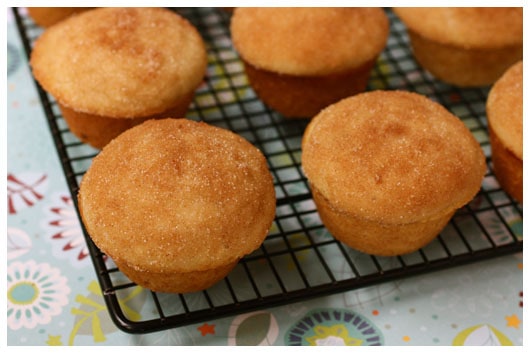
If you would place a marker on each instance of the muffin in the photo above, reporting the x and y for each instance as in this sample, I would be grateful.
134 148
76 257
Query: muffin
112 68
47 16
465 46
299 60
504 109
388 169
176 203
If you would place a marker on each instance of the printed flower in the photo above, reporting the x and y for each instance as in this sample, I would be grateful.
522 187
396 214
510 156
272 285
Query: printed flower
92 317
25 190
481 335
333 327
336 335
64 231
35 293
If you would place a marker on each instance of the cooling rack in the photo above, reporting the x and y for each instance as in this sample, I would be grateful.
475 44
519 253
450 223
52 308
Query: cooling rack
299 259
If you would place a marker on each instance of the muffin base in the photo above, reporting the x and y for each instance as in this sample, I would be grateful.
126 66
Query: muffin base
378 238
507 167
304 96
176 282
98 130
463 67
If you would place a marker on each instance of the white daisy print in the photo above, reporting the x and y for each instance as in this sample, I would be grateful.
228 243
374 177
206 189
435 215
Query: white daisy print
35 293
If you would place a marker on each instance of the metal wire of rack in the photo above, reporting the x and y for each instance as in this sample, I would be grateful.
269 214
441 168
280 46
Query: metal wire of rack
299 259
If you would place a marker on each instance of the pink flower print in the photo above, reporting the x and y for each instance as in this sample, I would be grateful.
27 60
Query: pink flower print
64 231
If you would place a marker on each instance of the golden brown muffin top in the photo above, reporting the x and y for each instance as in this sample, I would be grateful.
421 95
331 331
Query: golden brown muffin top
120 62
47 16
177 195
391 156
469 27
504 109
309 41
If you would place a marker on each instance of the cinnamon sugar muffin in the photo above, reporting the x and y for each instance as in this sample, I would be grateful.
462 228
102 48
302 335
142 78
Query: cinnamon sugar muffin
388 170
176 203
299 60
465 46
47 16
112 68
504 109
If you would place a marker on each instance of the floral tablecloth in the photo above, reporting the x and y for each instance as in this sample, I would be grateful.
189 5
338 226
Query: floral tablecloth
53 297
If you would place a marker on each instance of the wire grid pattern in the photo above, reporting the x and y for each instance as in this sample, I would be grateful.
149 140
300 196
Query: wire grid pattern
299 259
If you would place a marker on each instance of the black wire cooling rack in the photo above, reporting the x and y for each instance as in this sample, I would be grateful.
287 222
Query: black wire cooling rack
299 259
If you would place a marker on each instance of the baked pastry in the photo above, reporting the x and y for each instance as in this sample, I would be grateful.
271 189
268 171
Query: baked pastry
388 169
176 203
465 46
47 16
112 68
504 109
299 60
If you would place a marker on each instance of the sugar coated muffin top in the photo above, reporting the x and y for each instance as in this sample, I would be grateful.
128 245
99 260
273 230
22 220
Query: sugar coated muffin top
309 41
120 62
177 195
393 156
472 27
47 16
